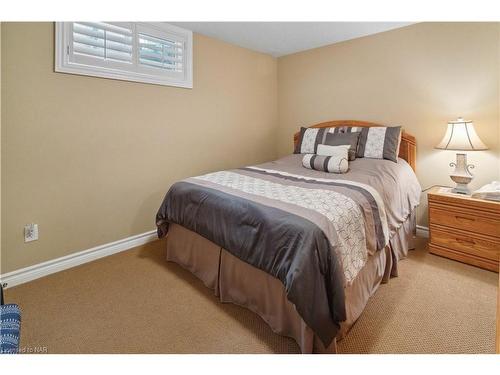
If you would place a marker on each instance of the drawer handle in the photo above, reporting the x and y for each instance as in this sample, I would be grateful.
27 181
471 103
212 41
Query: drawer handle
464 218
465 241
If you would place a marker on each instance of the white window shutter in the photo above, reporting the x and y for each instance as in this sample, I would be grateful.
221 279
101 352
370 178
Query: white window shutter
161 53
103 41
155 53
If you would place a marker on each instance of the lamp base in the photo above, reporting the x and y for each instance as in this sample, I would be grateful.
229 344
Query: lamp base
461 189
461 175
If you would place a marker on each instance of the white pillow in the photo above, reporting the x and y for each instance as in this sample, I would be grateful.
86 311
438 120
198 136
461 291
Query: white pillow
327 150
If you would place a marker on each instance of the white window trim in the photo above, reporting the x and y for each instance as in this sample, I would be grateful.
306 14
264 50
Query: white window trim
64 65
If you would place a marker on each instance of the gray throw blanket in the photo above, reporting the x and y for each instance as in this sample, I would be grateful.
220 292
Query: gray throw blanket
287 246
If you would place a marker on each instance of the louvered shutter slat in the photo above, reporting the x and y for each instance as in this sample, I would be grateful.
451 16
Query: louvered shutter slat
87 30
146 55
89 50
163 65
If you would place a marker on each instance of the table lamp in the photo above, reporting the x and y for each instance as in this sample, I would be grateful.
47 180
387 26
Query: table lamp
461 136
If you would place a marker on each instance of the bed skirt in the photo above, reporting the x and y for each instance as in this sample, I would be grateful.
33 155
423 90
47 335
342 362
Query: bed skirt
235 281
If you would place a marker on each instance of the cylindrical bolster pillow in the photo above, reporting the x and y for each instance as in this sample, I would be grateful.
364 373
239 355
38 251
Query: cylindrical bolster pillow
332 164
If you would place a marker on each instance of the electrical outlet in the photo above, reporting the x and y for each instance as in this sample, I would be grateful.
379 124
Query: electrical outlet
30 232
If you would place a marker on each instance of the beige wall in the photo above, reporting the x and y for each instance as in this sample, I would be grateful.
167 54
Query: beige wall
90 159
419 76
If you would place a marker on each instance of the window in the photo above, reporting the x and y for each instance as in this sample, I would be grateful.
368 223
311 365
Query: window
156 53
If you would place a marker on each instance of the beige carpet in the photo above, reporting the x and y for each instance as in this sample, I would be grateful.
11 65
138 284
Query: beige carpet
136 302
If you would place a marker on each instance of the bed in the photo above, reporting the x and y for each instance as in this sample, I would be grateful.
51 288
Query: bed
304 249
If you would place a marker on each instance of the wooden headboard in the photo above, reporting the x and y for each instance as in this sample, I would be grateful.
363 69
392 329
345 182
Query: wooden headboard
407 149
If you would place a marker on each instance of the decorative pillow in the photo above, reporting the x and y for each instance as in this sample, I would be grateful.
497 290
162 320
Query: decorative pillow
327 150
10 326
378 142
309 138
337 139
333 164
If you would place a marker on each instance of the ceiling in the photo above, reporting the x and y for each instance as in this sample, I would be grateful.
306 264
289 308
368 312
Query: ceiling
284 38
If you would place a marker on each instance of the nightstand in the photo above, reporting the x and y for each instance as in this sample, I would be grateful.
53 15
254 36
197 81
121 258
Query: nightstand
464 228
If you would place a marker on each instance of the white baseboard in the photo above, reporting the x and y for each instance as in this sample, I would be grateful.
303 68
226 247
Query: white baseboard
36 271
422 231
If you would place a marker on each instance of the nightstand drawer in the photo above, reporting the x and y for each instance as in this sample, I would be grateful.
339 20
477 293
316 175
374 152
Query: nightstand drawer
465 220
466 243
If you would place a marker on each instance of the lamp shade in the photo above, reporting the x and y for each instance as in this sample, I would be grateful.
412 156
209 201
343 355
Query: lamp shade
461 136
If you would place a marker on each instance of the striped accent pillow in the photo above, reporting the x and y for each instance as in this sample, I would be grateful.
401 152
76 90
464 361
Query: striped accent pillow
310 138
378 142
10 326
333 164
